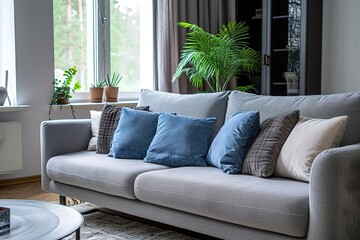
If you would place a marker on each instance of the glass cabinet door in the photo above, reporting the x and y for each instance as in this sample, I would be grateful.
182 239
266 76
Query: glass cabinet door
288 33
281 71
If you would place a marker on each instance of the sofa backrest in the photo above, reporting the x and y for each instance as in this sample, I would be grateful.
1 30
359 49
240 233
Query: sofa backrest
199 105
316 106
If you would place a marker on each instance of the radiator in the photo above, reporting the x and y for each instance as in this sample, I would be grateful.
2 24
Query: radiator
10 147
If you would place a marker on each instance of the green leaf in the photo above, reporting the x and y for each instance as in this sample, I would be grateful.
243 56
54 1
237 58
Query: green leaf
216 59
62 88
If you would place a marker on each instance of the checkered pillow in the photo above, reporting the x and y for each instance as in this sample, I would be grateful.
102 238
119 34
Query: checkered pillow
261 158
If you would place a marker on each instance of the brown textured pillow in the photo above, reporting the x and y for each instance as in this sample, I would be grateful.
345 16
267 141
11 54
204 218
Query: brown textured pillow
261 158
108 122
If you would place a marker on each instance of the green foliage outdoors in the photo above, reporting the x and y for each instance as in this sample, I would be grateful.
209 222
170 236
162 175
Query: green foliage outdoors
63 87
70 41
114 81
125 44
217 58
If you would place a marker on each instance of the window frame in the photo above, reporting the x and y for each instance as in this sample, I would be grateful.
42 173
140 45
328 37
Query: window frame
101 54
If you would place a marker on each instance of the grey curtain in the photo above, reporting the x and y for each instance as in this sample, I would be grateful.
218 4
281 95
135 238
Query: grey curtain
169 38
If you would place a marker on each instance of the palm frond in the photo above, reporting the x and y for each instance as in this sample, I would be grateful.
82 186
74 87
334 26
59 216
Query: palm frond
237 31
247 88
216 59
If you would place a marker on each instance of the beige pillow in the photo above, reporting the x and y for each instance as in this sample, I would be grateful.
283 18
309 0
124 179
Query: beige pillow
309 137
95 123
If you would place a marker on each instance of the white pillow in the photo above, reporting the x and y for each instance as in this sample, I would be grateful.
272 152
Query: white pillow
95 123
309 137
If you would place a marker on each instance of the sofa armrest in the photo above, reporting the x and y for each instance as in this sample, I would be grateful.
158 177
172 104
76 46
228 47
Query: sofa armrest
335 194
61 137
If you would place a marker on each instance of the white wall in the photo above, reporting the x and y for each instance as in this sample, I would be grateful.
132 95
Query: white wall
341 46
34 76
34 72
34 66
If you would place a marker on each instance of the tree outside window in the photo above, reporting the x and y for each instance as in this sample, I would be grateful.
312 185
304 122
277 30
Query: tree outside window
129 38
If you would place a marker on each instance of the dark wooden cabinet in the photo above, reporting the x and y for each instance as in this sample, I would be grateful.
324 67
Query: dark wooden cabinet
288 33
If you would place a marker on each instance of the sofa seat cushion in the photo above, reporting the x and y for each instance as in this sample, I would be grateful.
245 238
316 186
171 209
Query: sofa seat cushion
273 204
98 172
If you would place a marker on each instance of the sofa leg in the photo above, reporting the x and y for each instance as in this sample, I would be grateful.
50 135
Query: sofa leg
62 200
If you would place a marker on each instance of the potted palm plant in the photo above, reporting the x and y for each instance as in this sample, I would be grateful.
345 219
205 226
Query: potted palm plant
96 91
112 87
63 88
216 59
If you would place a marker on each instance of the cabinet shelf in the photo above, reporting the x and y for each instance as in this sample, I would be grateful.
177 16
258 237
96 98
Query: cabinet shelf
279 83
280 50
281 17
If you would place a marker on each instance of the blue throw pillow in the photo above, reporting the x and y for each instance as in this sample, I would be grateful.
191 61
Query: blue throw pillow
234 139
134 133
180 141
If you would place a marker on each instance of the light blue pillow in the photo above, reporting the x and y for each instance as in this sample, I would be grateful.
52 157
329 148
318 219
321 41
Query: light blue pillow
180 141
234 139
134 133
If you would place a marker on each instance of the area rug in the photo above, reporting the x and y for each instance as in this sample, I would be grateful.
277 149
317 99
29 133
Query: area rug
100 225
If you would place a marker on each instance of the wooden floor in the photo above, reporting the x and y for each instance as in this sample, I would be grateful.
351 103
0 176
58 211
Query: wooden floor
31 191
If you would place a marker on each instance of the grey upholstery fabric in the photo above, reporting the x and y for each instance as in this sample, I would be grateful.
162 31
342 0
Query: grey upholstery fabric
267 204
192 222
335 194
60 137
316 106
200 105
98 172
261 158
334 179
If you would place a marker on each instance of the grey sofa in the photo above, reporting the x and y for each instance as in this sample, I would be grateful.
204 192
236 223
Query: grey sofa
204 199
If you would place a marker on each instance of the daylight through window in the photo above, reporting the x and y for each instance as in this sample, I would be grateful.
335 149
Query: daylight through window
105 36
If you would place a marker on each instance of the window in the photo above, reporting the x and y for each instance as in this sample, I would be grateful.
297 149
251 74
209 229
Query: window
7 49
105 36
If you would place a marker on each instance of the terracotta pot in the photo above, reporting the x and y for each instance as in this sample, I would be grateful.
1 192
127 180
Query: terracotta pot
111 94
96 95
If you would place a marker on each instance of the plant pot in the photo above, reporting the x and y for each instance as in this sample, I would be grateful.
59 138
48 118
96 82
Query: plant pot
62 101
111 94
96 95
292 83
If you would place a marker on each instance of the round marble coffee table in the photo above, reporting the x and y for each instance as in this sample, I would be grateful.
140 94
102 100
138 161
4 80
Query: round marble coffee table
30 219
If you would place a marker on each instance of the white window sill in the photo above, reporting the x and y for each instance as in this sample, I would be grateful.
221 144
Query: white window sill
16 108
131 103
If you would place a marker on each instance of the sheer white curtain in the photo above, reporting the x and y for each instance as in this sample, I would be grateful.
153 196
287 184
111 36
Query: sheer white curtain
169 38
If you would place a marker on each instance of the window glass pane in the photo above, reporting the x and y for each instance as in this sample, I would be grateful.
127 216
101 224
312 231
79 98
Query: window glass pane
70 38
131 43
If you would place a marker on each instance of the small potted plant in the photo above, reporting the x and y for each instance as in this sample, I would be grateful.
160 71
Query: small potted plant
292 75
63 87
111 88
96 91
